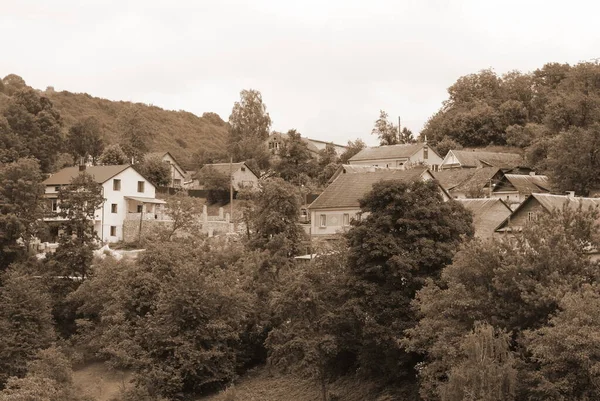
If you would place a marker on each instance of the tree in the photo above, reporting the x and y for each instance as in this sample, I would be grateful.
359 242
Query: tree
25 322
409 235
156 171
85 139
78 203
21 207
113 155
135 133
13 83
217 184
35 124
305 341
514 284
487 371
274 225
185 214
353 148
406 136
294 158
249 125
574 159
385 130
445 145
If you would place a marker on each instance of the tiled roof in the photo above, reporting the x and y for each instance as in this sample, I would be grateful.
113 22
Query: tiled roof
348 189
100 173
353 169
388 152
465 179
223 168
468 158
528 184
487 213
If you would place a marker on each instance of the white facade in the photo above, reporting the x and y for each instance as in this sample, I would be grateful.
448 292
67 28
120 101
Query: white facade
243 177
177 173
425 156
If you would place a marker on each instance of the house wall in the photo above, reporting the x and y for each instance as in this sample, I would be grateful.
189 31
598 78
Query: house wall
334 220
244 178
521 218
510 197
450 161
392 162
129 179
176 170
433 160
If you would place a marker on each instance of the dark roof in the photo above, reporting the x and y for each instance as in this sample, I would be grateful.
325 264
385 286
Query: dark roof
487 214
468 158
348 189
223 168
465 179
554 202
528 184
100 173
353 169
388 152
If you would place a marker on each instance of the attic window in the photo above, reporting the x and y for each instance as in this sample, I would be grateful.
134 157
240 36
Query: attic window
243 168
531 216
425 153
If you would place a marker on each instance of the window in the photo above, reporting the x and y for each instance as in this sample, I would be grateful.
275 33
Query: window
243 168
113 208
346 219
113 231
177 182
57 188
140 208
531 216
323 220
425 153
140 186
116 185
54 205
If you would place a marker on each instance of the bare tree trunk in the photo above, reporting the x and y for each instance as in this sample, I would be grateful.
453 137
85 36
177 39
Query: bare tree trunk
323 387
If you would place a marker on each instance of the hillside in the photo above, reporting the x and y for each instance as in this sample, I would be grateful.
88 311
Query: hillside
179 132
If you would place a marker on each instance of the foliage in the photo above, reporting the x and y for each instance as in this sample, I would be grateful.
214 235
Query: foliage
513 284
385 130
156 171
294 158
353 148
274 227
85 139
574 159
135 133
78 203
217 184
406 136
409 235
307 305
487 372
113 155
25 322
185 213
21 207
249 125
33 125
446 145
12 84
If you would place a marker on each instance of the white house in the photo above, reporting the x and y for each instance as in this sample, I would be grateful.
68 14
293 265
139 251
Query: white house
127 196
178 174
397 156
335 207
242 175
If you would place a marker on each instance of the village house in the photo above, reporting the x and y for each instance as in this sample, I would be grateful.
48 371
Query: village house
275 142
127 196
538 204
178 174
478 159
469 182
397 156
338 204
515 188
487 213
241 175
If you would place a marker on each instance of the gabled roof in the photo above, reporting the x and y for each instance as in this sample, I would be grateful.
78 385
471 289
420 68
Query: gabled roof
160 155
402 151
348 189
487 214
224 168
465 179
528 184
468 158
553 202
310 143
101 174
353 169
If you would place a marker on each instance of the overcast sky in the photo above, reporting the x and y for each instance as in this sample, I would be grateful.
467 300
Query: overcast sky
324 67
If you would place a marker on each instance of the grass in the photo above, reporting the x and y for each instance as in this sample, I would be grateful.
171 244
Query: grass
99 382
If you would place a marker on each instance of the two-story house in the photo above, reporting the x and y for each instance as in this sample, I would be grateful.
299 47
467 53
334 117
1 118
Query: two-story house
397 156
127 195
178 174
338 204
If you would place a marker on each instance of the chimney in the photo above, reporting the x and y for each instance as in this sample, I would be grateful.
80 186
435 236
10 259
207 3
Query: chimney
570 194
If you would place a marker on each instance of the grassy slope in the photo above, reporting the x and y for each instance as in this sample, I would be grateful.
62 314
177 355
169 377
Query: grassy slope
100 383
178 132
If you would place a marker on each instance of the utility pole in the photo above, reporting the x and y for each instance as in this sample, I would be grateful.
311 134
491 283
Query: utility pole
231 189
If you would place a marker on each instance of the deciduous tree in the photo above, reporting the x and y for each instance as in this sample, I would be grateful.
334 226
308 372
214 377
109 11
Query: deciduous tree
113 155
85 139
385 130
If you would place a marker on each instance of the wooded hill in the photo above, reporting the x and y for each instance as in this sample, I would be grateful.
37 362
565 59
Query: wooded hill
180 132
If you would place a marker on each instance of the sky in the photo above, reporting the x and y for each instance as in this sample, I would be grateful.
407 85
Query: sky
324 67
